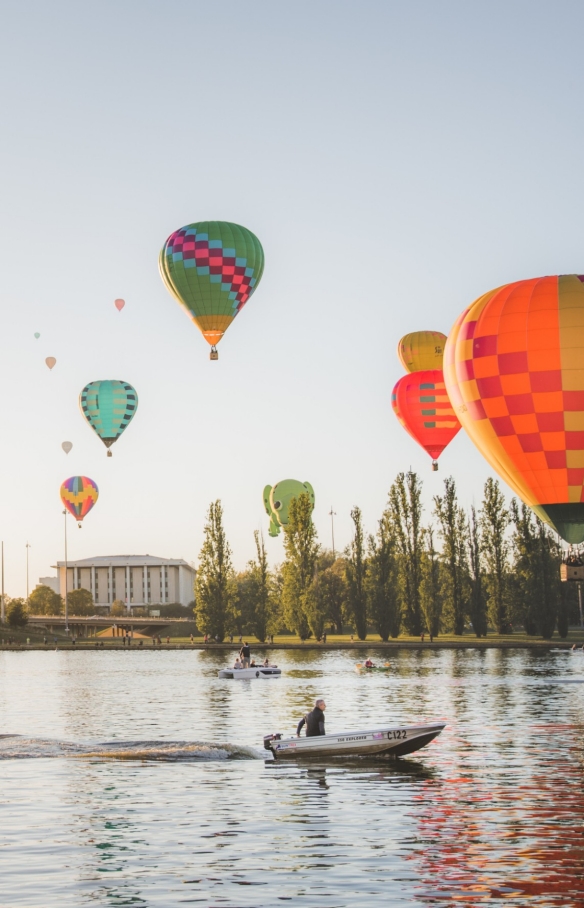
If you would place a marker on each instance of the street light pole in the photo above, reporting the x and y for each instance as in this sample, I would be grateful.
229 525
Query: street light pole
66 598
27 548
2 606
333 514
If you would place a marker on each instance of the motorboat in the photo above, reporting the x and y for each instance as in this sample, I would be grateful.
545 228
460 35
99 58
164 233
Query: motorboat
246 674
394 740
361 667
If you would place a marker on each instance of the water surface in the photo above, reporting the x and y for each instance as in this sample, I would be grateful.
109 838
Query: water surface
138 778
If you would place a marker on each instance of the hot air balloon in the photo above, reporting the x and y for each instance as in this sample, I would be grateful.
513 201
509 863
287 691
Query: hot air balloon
51 361
277 501
66 446
108 407
514 369
79 494
37 335
212 268
421 350
119 304
421 404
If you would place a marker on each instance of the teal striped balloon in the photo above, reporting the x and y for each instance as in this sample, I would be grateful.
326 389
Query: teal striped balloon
108 407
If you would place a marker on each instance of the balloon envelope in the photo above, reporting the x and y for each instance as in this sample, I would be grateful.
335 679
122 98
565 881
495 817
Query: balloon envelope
66 446
277 501
421 404
119 304
109 407
212 268
79 494
421 350
37 335
51 361
514 369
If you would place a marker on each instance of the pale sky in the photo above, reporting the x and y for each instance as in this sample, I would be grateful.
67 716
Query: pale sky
395 159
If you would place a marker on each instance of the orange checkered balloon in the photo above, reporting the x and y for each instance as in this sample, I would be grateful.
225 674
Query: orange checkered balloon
514 370
421 404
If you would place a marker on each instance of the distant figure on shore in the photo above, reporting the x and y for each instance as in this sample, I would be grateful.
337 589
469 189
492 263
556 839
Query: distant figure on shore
314 720
245 654
231 638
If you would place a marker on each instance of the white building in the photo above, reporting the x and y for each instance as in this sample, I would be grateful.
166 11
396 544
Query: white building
136 580
52 582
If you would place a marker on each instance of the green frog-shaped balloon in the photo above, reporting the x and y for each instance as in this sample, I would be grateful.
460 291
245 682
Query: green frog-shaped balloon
277 501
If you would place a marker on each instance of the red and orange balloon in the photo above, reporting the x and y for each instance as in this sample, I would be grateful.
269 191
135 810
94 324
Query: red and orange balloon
514 371
420 402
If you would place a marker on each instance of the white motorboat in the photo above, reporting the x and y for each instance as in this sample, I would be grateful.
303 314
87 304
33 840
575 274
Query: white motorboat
395 740
246 674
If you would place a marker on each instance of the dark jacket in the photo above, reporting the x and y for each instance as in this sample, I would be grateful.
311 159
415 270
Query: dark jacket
314 722
245 652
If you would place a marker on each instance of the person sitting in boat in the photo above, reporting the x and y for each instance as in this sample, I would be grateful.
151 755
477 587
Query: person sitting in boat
314 720
369 663
237 664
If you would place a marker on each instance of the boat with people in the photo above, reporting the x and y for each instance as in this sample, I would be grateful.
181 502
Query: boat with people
392 740
253 671
369 666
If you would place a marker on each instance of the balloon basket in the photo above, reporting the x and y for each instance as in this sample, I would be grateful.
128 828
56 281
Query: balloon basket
213 354
434 465
109 453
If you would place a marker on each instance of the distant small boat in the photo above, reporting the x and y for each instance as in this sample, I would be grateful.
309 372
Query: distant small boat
245 674
361 667
395 740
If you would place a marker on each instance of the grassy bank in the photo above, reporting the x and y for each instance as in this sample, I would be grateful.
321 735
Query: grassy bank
334 641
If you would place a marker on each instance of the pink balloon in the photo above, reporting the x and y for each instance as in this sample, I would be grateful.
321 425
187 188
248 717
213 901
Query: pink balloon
119 304
50 361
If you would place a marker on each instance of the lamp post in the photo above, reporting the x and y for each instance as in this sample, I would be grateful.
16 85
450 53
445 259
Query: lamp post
2 605
66 598
27 548
333 514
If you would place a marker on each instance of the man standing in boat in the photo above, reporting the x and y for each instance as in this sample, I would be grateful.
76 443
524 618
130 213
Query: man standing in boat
245 654
314 720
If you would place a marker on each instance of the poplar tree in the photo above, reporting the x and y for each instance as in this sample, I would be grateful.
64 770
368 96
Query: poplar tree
302 549
382 580
405 507
453 528
431 585
536 572
215 587
494 520
356 569
259 592
477 603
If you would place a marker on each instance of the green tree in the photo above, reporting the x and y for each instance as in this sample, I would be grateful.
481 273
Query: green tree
405 505
382 580
118 608
536 572
215 587
260 605
334 590
453 530
302 550
432 585
45 601
356 572
494 520
477 602
16 613
80 602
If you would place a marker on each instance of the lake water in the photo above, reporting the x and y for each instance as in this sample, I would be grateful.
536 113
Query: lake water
138 778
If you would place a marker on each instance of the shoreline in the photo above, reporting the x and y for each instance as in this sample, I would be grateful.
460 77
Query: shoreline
478 643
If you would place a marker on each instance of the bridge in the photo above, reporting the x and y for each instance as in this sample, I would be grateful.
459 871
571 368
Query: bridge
89 627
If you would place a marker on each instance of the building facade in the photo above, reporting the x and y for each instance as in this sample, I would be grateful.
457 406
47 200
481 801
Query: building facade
139 581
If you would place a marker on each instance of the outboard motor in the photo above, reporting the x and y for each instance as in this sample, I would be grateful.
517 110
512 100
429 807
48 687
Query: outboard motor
268 738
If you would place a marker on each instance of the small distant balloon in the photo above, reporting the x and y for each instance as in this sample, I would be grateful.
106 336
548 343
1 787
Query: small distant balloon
79 494
51 361
37 335
67 445
119 304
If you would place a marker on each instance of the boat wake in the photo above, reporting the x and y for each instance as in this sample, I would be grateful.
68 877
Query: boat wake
18 747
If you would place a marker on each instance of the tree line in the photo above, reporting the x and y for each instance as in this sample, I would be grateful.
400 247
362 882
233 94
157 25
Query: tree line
494 568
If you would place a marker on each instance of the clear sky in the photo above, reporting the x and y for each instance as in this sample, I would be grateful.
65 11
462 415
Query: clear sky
396 160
